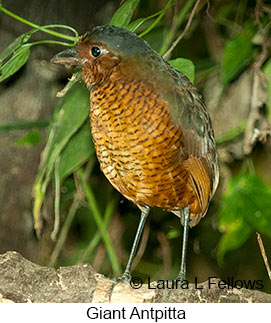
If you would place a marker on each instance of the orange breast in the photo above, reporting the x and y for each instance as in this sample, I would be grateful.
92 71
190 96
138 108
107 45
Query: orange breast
140 147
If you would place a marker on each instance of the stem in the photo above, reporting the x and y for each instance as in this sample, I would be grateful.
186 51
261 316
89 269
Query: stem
187 6
65 230
43 28
96 239
175 43
57 200
51 42
24 125
265 259
93 206
77 200
162 13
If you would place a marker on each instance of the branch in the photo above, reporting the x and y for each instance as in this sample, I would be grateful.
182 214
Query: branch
265 259
175 43
24 281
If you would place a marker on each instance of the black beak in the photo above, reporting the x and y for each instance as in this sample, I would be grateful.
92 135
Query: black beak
68 57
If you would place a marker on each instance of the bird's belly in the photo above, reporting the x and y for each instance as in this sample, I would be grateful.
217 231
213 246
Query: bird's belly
144 181
141 156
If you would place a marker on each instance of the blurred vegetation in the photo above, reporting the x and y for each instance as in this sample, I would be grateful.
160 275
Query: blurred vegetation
91 222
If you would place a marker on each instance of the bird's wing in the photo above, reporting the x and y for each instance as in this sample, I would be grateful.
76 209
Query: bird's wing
190 114
188 111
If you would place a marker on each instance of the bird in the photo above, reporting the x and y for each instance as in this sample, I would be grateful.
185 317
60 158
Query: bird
151 129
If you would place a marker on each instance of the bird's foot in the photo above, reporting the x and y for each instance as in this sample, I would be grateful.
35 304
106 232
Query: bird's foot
125 278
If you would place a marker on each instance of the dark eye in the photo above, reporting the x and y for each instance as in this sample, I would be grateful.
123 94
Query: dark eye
95 51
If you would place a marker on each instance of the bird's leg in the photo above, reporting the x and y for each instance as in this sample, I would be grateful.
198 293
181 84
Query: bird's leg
127 273
182 273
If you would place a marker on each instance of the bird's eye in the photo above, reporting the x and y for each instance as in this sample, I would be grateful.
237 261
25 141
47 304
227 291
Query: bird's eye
96 51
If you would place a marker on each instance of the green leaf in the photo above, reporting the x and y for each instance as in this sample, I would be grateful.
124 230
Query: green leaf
184 66
70 115
246 207
257 198
173 233
237 234
77 151
18 42
123 15
238 53
16 61
31 139
136 23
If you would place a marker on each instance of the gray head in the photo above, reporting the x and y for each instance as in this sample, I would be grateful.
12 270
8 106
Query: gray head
107 49
119 40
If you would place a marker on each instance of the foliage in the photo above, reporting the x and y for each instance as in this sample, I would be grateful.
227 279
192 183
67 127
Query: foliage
19 57
185 66
124 14
17 53
238 53
65 132
30 139
246 208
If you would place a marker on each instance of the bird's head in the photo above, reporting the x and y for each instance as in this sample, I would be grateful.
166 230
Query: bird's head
100 52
